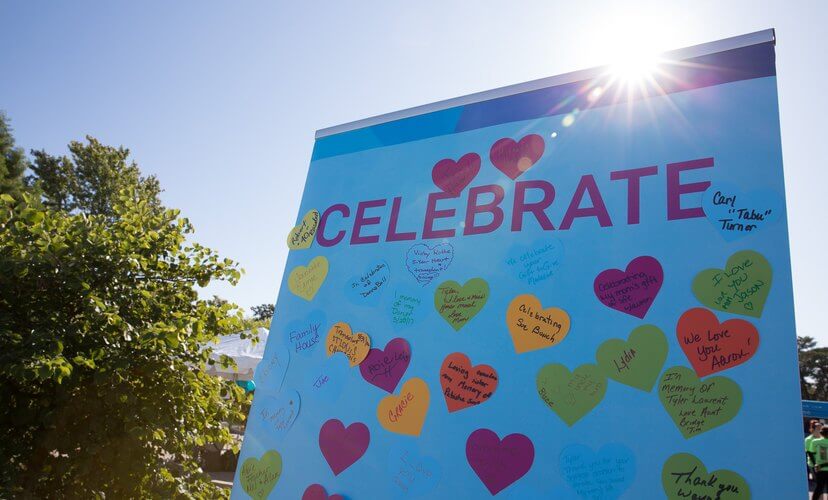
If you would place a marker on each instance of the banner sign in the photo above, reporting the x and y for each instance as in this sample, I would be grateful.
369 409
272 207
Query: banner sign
573 288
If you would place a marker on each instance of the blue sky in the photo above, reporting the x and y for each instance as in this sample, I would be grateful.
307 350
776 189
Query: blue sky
220 100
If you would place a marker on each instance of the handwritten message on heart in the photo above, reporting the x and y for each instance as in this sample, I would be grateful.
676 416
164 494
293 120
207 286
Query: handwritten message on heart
426 263
638 360
366 287
303 336
499 463
695 405
737 214
537 263
406 413
318 492
304 281
741 288
271 370
514 158
605 474
355 346
571 394
326 380
385 367
412 475
275 415
533 327
259 476
459 304
711 346
301 236
685 476
453 176
342 446
633 290
465 385
407 308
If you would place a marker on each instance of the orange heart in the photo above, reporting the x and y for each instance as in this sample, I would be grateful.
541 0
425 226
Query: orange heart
533 327
406 413
353 345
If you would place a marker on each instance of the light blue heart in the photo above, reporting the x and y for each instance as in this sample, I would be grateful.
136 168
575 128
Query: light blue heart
411 474
271 370
326 379
533 264
304 336
406 307
366 288
273 415
605 474
737 214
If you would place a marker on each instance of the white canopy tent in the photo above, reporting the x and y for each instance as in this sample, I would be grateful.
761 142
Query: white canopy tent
246 355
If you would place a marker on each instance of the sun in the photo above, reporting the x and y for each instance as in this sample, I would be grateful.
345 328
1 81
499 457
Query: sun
634 68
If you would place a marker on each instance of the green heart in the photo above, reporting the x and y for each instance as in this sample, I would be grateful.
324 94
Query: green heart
695 405
301 236
635 362
305 281
258 477
741 288
571 394
457 304
685 476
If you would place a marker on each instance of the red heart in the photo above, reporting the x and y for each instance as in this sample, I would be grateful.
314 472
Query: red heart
712 347
452 176
465 385
317 492
513 158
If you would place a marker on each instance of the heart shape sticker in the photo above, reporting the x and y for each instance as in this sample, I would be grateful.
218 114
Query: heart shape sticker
365 289
301 236
711 346
412 474
685 476
426 263
385 367
459 304
633 290
606 473
318 492
304 281
637 361
342 446
274 415
514 158
453 176
406 413
741 288
259 476
736 214
695 405
465 385
533 327
355 346
499 463
571 394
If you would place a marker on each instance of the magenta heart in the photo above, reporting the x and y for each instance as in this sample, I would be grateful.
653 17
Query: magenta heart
317 492
631 291
513 158
499 463
342 447
385 368
452 176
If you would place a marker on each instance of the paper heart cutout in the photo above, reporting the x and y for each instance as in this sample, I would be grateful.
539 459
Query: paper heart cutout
301 236
536 263
633 290
452 176
366 288
533 327
318 492
411 474
407 308
685 476
607 473
736 214
259 476
499 463
273 416
385 367
514 158
406 413
457 305
637 361
355 346
325 381
741 288
571 394
304 336
711 346
426 263
342 446
465 385
271 370
304 281
697 406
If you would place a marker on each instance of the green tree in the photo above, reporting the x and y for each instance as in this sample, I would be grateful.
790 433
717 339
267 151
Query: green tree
813 369
102 334
263 312
13 161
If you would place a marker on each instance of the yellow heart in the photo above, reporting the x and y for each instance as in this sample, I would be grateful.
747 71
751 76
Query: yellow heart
301 236
535 328
406 413
354 346
305 281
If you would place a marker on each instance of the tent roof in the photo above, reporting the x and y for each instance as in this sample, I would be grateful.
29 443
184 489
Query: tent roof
246 355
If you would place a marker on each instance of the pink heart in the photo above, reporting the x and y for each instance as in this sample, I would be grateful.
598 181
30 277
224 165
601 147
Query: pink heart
342 447
452 176
499 463
385 368
631 291
514 158
317 492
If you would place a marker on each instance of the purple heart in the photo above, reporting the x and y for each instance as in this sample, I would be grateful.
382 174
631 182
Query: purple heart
385 368
499 463
631 291
452 176
342 447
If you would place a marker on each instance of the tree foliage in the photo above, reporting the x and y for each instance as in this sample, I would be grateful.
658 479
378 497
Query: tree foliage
13 161
263 312
102 336
813 369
